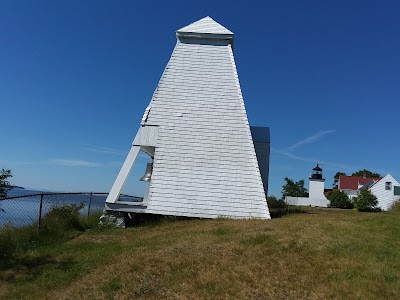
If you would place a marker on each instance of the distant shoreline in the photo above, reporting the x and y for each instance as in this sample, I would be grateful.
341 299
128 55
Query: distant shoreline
16 187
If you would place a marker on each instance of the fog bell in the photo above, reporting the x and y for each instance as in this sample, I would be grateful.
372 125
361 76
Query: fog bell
149 170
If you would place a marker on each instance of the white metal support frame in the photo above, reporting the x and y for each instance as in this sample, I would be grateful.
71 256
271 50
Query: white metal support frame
123 175
145 140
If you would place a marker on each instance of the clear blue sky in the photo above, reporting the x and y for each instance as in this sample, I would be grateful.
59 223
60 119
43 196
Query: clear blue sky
76 76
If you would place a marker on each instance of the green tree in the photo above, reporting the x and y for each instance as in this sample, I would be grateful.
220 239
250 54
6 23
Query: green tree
336 178
4 184
366 201
294 188
339 199
366 173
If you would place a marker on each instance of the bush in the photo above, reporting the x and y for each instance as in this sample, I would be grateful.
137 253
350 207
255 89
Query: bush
60 223
277 207
366 201
339 199
62 219
273 202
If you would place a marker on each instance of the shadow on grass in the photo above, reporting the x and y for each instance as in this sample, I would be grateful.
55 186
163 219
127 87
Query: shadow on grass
281 212
139 220
28 268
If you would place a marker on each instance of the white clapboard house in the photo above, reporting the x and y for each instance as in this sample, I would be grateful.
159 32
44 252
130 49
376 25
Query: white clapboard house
206 160
386 189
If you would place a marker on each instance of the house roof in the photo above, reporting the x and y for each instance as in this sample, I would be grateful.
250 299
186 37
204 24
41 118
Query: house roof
205 25
353 182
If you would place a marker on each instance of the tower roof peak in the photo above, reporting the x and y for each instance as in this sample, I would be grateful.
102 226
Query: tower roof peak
205 25
317 168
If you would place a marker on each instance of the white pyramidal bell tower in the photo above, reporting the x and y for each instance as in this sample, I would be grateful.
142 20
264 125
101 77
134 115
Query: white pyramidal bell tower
196 131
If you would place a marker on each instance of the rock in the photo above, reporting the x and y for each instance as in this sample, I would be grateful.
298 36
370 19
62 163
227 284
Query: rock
113 219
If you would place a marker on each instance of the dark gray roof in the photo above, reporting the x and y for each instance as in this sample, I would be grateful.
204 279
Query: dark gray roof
260 134
317 168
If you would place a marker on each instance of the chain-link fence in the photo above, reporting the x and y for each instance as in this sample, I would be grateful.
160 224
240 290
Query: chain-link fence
29 209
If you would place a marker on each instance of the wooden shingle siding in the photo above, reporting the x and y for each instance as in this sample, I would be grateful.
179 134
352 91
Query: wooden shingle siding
146 136
205 164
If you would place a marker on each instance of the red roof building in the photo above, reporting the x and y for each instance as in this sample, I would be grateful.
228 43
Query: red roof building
353 183
386 189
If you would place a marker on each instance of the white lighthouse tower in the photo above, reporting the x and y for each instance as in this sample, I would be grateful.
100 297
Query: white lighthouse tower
317 182
316 195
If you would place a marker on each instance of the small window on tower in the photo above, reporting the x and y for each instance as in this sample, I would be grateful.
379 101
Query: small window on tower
388 185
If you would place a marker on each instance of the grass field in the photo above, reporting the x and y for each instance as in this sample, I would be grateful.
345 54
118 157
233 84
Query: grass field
322 254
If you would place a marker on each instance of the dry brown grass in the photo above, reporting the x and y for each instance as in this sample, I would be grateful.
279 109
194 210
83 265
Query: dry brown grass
325 254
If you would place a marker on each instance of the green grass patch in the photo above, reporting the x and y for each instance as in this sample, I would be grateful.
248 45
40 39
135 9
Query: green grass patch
260 239
221 231
323 254
111 287
60 224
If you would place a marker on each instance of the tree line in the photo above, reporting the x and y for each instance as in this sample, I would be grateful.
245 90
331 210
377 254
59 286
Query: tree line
4 183
364 201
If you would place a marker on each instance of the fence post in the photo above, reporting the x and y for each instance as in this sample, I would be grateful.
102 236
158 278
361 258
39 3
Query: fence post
90 202
40 210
